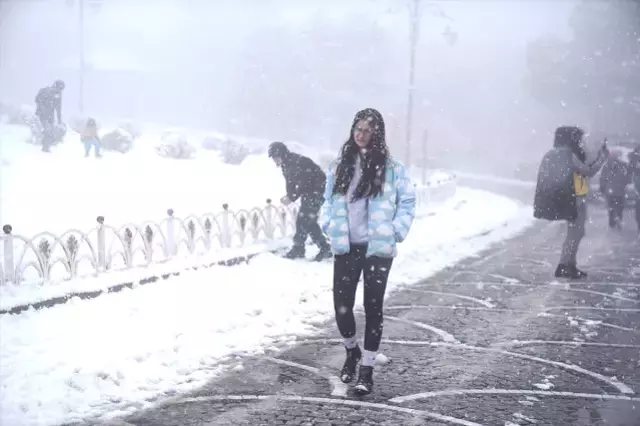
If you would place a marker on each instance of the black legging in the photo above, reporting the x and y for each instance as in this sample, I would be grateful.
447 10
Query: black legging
48 137
346 274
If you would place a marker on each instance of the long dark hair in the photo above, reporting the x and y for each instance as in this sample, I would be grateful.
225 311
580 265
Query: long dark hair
373 159
571 136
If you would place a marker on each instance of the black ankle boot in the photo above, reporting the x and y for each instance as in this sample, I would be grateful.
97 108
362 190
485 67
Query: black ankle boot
324 253
570 271
296 252
563 271
364 385
350 364
576 273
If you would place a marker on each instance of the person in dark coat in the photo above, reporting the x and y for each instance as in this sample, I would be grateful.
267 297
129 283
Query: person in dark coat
615 176
634 163
49 106
304 180
561 191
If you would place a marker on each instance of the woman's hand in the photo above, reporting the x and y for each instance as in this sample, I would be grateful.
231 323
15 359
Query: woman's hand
285 200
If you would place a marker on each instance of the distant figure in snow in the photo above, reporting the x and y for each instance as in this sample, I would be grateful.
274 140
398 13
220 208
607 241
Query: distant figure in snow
634 163
562 189
90 138
49 103
615 176
305 180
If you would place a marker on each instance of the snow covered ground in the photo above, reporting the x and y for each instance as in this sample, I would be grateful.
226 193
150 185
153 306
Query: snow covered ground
40 191
116 353
113 354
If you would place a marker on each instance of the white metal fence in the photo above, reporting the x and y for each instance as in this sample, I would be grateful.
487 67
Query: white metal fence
75 253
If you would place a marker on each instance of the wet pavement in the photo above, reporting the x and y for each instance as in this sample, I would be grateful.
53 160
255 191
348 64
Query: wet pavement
495 340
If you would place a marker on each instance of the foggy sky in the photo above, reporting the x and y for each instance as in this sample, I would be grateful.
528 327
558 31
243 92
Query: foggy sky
238 66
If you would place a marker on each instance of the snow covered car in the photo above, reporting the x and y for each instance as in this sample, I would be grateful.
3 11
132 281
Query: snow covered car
117 140
233 152
174 144
131 129
213 142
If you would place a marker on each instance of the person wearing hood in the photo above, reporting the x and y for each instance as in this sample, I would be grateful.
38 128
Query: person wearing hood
304 180
561 192
369 208
615 176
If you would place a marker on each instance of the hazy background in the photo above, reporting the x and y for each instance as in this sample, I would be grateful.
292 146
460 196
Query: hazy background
487 72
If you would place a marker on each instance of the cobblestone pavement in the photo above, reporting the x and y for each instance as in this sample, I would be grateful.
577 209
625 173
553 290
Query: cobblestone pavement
495 340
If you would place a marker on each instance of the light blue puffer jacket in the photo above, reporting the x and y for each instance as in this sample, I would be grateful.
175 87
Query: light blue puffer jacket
390 214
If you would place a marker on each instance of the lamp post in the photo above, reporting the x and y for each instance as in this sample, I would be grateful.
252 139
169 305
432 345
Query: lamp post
94 5
82 59
425 138
414 34
5 9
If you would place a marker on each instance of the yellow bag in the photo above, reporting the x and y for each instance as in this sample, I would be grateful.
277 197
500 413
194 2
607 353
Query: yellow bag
581 185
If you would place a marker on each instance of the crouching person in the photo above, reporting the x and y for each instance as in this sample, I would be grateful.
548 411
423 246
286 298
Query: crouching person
90 138
369 207
562 189
305 180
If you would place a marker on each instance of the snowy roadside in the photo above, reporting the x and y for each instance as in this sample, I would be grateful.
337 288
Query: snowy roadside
114 354
34 292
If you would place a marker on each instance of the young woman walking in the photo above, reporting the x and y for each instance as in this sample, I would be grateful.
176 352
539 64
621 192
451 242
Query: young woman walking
369 208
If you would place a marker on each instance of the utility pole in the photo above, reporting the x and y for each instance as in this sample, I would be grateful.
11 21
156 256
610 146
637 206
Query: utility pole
414 34
425 138
5 9
82 59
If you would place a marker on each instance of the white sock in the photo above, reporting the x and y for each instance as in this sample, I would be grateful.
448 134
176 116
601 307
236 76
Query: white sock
369 358
350 342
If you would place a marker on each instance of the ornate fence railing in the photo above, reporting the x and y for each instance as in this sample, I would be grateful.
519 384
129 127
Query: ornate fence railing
50 257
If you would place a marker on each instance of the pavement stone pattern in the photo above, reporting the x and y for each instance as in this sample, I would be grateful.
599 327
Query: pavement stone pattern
495 340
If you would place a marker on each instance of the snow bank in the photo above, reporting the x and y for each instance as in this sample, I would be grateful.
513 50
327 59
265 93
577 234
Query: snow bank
117 352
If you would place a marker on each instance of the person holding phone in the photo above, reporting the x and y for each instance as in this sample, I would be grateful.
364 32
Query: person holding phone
562 189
